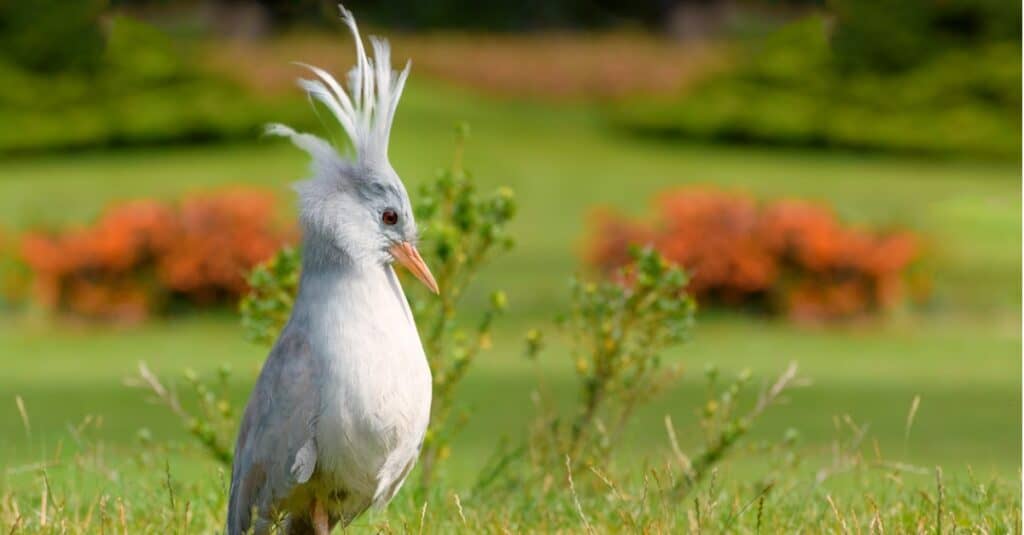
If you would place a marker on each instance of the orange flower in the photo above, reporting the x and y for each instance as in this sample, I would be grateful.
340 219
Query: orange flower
143 254
792 254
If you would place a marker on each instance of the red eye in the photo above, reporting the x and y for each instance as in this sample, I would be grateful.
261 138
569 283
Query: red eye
389 217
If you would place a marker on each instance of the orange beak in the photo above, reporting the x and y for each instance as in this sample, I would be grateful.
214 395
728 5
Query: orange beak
408 256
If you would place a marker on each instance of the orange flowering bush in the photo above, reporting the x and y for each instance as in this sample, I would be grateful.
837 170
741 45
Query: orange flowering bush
789 256
142 256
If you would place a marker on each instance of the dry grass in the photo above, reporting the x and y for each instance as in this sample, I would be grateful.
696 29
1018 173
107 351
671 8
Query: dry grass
557 66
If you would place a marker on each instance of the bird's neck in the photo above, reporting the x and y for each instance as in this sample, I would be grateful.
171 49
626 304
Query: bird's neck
332 282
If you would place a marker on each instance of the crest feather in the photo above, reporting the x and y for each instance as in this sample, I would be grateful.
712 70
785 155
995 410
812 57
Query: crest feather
366 109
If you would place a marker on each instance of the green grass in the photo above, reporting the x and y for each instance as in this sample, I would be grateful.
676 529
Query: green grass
960 354
970 405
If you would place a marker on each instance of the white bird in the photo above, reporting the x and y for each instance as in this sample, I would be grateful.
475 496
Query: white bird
337 417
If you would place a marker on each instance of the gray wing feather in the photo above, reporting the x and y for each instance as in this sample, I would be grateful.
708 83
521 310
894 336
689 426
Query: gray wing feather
276 447
305 462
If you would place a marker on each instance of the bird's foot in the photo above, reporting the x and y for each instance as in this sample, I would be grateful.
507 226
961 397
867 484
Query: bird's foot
321 525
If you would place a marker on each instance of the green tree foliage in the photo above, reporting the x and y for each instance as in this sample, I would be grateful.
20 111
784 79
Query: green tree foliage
878 35
134 85
793 89
48 36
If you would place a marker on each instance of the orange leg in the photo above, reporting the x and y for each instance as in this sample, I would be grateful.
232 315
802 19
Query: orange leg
321 526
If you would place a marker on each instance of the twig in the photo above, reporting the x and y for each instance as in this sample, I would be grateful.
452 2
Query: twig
769 396
600 475
696 509
835 511
423 516
24 415
57 506
32 467
458 506
15 525
121 516
187 520
876 518
150 380
43 505
841 464
914 405
760 512
575 497
760 497
488 476
88 515
684 461
167 482
899 467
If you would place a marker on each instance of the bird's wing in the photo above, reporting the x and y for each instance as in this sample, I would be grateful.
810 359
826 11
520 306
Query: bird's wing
276 447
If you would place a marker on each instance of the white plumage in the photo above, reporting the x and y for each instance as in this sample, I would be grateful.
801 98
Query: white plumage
376 383
367 109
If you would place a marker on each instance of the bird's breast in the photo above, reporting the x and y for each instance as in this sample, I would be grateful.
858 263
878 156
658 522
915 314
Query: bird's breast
377 388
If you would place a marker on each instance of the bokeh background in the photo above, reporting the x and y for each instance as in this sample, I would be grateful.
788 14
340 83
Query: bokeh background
842 178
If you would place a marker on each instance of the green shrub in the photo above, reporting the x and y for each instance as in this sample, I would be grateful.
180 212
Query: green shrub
792 91
143 89
272 289
618 331
50 36
879 35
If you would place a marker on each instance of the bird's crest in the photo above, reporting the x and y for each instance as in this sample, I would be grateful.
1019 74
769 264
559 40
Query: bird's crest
366 109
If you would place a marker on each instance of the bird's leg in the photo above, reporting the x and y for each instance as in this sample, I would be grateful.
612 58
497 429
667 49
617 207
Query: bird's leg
321 526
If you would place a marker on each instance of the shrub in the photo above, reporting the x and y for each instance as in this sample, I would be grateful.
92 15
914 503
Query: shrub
792 90
461 231
144 256
52 35
144 89
792 257
617 332
880 35
272 288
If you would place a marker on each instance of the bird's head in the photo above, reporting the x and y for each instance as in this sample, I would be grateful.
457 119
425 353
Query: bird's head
356 205
364 214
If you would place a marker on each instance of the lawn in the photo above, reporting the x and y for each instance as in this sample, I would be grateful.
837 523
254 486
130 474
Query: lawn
960 353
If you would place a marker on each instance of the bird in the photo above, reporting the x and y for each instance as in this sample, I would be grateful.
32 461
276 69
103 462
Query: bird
336 419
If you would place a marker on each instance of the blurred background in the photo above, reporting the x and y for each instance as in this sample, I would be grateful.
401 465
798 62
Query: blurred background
842 178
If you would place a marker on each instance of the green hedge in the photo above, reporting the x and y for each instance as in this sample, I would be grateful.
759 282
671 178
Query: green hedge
883 35
790 91
143 90
52 35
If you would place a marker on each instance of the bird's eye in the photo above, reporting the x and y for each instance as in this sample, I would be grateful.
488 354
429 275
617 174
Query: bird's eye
389 217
